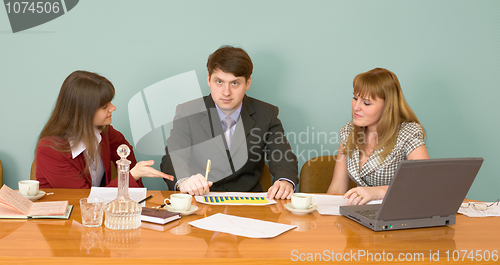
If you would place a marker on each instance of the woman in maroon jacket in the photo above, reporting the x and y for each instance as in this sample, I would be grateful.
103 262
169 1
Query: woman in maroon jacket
77 145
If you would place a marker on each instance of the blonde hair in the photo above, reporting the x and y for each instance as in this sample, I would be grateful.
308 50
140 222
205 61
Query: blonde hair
72 119
384 84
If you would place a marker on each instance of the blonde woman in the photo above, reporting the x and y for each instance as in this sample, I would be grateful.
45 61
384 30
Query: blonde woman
383 132
77 145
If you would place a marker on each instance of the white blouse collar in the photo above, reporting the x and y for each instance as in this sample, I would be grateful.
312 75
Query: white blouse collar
77 149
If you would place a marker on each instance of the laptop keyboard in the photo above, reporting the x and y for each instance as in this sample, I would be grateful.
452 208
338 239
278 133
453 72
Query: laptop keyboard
368 213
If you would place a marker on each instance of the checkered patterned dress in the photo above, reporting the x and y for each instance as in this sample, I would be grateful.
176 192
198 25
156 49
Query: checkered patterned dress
374 173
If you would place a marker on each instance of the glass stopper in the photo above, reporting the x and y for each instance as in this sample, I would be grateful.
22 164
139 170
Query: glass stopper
123 151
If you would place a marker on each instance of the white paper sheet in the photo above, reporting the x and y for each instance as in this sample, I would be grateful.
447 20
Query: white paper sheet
241 226
109 194
330 204
200 199
470 211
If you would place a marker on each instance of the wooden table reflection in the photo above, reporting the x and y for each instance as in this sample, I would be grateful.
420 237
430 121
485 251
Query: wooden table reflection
316 238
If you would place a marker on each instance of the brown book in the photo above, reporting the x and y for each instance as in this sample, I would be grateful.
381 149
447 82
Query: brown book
15 205
158 216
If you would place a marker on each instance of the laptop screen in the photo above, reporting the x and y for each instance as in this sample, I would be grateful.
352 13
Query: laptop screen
427 188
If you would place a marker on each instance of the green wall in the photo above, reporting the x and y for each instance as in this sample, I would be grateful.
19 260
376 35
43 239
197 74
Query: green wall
305 54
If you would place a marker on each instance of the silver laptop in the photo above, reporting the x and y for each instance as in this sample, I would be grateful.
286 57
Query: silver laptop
423 193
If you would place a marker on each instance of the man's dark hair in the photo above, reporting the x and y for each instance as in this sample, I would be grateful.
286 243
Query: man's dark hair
230 60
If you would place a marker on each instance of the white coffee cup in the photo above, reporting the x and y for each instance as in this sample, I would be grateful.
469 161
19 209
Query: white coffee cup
28 187
301 201
180 201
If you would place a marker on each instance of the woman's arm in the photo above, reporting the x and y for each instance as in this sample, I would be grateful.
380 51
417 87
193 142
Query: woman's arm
419 153
340 180
362 195
59 170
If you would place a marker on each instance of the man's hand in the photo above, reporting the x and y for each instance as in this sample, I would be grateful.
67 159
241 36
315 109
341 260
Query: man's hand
195 185
281 189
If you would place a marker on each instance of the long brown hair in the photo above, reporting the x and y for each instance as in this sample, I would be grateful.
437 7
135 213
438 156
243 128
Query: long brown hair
384 84
72 119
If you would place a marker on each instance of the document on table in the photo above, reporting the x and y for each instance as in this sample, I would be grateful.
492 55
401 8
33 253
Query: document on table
330 204
493 210
235 198
109 194
241 226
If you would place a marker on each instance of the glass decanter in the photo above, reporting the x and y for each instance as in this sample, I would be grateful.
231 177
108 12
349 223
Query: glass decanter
123 213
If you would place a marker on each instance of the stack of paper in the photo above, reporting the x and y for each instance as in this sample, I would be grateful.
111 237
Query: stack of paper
330 204
241 226
109 194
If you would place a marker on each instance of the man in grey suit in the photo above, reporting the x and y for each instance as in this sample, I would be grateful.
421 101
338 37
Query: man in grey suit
234 131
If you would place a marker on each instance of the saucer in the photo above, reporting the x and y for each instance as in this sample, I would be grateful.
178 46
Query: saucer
289 207
189 211
39 195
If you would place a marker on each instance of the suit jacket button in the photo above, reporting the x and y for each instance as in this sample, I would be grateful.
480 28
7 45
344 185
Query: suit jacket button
228 189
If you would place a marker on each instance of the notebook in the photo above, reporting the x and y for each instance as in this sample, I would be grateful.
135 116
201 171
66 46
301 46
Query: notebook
158 216
422 193
14 205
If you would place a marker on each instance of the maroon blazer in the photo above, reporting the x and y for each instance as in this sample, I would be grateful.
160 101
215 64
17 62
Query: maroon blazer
59 170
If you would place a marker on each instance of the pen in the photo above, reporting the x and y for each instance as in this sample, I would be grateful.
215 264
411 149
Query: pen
209 163
145 199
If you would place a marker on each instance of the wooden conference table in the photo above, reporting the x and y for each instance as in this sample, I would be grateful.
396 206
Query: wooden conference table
317 238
